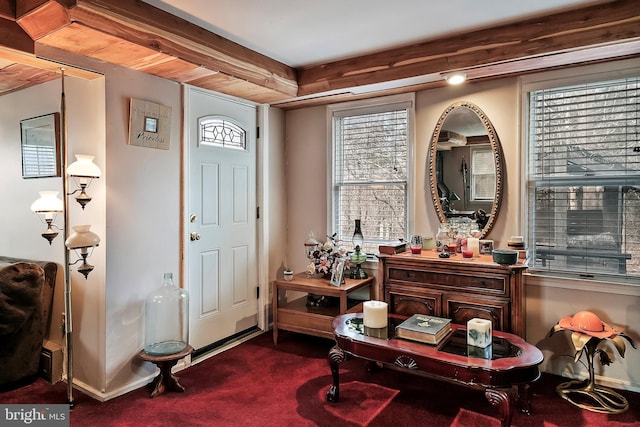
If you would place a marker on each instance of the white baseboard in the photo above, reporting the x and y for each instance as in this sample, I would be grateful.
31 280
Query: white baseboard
143 381
601 380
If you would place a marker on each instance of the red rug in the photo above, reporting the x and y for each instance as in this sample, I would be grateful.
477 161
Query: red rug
259 384
359 402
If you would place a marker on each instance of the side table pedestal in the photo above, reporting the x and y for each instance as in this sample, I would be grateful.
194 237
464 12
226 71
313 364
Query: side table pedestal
165 380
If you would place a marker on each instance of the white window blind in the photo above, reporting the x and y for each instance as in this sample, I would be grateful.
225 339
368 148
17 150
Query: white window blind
38 160
370 174
483 174
584 179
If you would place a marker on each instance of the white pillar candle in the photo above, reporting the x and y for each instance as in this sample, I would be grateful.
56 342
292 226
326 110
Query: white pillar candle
375 314
473 244
479 332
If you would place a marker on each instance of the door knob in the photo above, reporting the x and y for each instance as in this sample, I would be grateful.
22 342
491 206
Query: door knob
194 236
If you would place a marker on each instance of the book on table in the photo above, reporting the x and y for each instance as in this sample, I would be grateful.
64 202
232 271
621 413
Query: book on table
424 328
392 249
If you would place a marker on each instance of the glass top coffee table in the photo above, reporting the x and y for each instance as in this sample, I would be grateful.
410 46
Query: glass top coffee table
504 372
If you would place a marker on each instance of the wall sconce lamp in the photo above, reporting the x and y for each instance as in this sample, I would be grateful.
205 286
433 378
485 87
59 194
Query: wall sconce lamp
83 170
82 241
455 78
48 206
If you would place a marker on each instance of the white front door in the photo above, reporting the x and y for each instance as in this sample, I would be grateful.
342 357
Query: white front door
221 265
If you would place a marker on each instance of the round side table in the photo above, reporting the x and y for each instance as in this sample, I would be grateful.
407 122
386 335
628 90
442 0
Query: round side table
165 380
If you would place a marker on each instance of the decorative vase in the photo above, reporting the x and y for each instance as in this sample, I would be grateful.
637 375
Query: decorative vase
166 319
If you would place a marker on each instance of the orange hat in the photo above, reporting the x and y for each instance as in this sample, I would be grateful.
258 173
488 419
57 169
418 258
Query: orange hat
587 323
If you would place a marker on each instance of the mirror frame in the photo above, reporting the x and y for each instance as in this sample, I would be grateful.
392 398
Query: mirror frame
498 158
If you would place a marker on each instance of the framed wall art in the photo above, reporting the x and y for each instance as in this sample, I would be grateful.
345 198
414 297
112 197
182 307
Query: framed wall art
149 124
40 146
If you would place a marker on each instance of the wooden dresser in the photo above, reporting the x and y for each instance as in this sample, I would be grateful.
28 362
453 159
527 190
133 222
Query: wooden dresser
457 288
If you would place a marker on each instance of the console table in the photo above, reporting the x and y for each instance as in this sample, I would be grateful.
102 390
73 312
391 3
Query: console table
294 315
504 375
457 288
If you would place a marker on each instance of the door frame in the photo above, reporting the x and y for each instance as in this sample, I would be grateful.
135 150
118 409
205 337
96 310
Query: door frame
262 240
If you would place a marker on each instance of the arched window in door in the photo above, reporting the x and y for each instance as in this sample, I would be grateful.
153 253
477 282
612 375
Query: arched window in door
219 131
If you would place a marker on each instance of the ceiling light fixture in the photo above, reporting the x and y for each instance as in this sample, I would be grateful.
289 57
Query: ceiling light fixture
455 78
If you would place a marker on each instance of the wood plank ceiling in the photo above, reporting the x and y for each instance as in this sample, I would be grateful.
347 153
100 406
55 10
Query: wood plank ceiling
136 35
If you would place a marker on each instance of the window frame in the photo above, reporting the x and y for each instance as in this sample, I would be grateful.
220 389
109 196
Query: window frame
380 104
558 79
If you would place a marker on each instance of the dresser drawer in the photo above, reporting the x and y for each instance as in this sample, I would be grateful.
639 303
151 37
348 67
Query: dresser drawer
446 280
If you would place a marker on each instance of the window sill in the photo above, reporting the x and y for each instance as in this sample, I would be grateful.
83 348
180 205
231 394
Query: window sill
602 286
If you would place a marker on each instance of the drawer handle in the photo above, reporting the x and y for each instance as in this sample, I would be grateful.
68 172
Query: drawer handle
410 274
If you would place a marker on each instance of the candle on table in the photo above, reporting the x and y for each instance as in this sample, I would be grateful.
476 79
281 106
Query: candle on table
473 244
479 332
375 314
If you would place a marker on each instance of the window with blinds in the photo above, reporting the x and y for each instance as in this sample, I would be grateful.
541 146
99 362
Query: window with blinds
370 159
483 174
584 179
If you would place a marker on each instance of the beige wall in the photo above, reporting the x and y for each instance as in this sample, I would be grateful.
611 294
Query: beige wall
547 300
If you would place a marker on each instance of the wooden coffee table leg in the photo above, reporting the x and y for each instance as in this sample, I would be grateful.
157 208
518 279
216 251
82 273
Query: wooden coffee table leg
336 357
502 399
523 403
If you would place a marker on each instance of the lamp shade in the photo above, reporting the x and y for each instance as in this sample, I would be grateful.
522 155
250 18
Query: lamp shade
82 238
48 203
84 167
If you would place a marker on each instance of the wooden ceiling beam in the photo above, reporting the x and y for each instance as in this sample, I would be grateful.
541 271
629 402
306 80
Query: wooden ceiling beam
8 10
144 25
41 17
30 60
12 36
610 22
136 35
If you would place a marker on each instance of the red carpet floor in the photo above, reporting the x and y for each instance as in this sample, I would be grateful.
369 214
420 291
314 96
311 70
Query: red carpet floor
259 384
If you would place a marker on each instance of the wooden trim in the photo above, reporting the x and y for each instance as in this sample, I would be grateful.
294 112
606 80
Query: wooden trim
43 64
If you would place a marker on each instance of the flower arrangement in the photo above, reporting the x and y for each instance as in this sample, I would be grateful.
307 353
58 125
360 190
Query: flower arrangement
324 257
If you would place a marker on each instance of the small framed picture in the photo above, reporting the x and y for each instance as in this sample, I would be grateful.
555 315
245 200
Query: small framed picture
151 124
338 273
486 247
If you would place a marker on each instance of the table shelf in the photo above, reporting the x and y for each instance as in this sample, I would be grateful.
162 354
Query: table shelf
296 316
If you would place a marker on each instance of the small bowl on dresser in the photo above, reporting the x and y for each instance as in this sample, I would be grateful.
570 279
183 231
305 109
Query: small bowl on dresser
505 256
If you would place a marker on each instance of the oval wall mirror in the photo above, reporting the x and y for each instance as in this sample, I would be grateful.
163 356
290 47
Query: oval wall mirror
465 167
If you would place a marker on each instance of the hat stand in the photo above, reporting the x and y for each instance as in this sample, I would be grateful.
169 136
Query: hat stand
586 394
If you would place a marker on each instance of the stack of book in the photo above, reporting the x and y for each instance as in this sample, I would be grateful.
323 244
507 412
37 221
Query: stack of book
424 328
